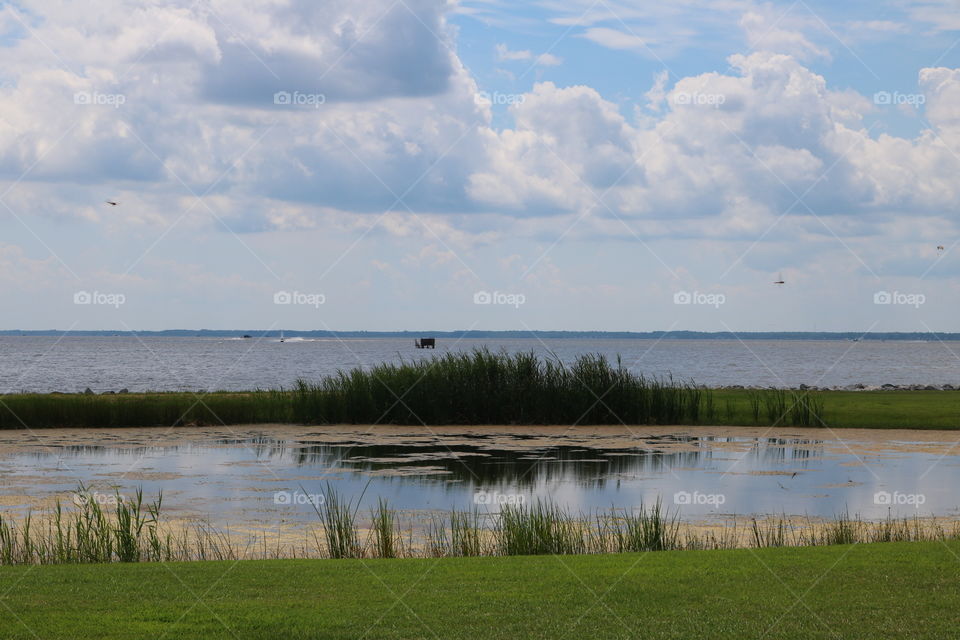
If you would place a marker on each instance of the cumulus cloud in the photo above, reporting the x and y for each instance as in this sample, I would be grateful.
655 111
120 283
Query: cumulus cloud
770 138
131 102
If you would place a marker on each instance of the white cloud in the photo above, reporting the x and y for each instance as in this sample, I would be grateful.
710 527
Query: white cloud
878 26
657 93
728 144
615 39
766 32
715 158
505 54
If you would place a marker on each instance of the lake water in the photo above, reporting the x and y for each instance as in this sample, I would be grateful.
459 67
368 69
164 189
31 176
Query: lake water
72 364
261 476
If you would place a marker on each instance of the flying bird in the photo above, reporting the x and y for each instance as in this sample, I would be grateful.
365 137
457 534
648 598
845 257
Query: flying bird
112 203
779 280
939 248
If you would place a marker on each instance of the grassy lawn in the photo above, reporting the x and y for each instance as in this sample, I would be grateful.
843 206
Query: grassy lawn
866 409
905 590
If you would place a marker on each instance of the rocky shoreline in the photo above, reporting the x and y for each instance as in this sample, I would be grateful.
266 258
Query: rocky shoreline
859 387
734 387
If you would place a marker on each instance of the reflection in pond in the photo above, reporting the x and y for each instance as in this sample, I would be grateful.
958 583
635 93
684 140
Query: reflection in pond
234 476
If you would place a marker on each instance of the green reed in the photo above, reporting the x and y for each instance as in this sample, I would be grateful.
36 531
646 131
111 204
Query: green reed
483 387
472 387
543 528
776 533
132 531
387 542
643 530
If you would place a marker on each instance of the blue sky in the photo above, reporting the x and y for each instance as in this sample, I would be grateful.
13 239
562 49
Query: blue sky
386 165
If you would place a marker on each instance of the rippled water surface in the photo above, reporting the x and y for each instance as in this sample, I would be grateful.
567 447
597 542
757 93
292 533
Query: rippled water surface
138 364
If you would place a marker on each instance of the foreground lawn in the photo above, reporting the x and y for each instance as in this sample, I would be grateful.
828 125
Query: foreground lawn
902 590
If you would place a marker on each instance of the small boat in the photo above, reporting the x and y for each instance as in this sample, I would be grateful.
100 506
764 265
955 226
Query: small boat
281 335
425 343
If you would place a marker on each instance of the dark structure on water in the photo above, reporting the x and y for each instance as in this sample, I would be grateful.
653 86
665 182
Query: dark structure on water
425 343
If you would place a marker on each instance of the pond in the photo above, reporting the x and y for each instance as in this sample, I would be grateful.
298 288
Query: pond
263 475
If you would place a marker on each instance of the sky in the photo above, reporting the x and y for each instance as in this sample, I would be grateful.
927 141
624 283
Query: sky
618 165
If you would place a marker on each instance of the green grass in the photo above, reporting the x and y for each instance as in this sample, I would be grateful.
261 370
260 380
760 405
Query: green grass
482 387
890 590
863 409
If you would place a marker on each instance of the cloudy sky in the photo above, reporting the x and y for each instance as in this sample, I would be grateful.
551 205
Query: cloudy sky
485 164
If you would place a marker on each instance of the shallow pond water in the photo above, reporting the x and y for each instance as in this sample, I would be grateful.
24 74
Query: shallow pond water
267 474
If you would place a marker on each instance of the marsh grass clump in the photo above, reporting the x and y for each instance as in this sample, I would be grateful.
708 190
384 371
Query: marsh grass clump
132 532
643 530
88 533
771 533
483 387
339 520
843 530
543 528
387 541
469 388
466 534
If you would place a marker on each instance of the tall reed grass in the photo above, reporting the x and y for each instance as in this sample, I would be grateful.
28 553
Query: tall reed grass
482 387
132 531
476 387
